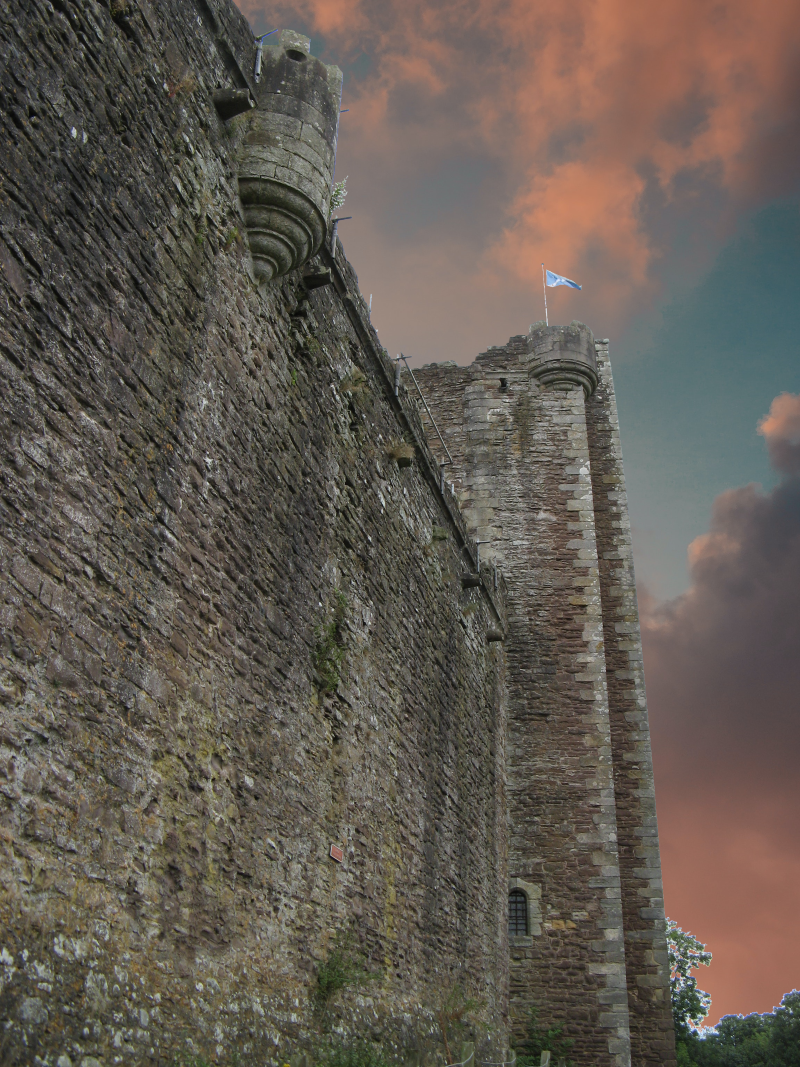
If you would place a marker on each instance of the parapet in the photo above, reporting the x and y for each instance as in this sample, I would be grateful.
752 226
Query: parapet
563 355
287 157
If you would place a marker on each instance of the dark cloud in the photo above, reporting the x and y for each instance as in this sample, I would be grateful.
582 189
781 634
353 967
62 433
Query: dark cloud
723 678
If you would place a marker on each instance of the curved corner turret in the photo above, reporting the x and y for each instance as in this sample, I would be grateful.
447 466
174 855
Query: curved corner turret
287 157
563 355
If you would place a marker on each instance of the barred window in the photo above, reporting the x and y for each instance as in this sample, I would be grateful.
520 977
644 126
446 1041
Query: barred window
517 914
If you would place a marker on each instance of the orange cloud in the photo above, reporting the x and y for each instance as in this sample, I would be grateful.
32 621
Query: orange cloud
577 112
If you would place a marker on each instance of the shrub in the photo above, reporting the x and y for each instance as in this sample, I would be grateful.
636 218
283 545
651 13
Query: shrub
543 1039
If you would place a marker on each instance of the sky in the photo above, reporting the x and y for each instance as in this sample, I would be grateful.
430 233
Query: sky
651 152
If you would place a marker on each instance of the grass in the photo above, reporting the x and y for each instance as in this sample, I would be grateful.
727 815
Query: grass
354 1054
329 651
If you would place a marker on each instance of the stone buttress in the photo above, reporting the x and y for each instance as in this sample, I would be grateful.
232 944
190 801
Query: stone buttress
533 432
652 1033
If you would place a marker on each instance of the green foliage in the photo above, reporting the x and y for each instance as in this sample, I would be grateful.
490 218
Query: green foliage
354 1054
188 1060
329 651
438 533
768 1040
338 195
689 1004
544 1039
344 967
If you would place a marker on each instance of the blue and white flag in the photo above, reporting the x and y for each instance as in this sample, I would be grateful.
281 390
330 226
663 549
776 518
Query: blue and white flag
556 279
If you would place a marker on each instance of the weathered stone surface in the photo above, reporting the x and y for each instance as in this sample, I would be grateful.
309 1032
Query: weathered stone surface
652 1033
242 620
195 489
287 156
533 431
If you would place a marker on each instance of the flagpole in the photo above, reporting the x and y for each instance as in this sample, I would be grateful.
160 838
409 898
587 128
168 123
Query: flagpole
544 290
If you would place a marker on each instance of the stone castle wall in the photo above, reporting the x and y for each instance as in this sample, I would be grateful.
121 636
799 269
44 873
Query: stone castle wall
234 631
243 620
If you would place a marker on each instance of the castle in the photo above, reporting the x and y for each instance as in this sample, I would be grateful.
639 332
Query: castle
290 659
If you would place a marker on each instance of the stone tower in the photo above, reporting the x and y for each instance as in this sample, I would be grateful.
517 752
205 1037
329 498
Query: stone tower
532 428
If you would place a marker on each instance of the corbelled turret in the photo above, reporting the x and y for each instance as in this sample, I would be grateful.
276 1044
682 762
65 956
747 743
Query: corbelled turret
563 355
287 157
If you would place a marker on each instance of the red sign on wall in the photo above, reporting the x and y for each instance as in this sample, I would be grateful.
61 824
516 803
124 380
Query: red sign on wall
337 853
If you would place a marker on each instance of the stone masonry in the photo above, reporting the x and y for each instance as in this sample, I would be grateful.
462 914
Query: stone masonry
652 1038
259 695
532 429
234 630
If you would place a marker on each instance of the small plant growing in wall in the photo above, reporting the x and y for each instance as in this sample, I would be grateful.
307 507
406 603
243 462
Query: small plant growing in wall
453 1016
233 237
329 650
343 968
352 1054
338 195
401 452
355 385
544 1039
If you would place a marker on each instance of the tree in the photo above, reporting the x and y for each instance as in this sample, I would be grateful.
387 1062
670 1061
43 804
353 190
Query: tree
784 1045
689 1004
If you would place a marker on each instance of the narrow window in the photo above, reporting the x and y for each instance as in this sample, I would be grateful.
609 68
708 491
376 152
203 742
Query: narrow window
517 914
503 384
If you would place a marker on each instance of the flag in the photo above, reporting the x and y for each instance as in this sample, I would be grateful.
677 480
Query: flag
556 279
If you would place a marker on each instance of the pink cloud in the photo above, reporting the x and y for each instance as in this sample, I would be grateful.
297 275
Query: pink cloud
781 430
570 108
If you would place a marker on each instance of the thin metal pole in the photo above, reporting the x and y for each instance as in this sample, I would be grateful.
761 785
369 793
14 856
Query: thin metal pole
342 218
422 398
478 544
544 290
259 53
